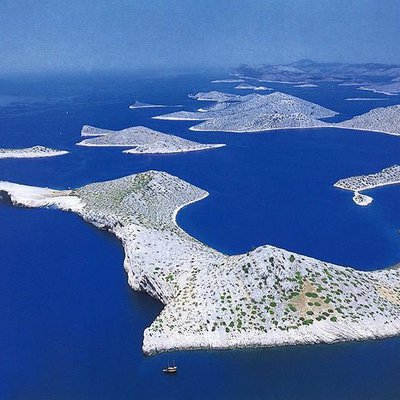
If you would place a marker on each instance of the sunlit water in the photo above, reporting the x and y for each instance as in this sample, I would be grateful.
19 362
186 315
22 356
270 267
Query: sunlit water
71 328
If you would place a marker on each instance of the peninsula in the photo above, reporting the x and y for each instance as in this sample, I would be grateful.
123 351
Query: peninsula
356 184
142 140
31 152
266 297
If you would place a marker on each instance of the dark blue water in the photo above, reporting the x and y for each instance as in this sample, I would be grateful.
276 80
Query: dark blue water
71 328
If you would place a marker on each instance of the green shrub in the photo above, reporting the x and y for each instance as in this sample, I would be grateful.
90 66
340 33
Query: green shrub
292 307
311 294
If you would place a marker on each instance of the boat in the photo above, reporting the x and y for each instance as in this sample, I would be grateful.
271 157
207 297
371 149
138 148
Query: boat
171 369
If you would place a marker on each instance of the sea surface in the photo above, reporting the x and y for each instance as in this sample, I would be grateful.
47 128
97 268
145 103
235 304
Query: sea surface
71 327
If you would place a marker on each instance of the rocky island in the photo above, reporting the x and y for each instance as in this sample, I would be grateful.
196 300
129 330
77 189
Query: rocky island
256 112
216 96
357 184
142 140
266 297
31 152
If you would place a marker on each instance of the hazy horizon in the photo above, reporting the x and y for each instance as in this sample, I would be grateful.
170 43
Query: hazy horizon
123 35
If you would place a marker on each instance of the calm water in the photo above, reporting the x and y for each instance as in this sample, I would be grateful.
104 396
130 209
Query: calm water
71 328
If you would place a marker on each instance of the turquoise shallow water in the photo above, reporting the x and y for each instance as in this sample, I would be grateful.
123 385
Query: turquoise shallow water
71 328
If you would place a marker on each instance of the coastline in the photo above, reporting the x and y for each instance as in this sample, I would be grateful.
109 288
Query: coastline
193 128
272 339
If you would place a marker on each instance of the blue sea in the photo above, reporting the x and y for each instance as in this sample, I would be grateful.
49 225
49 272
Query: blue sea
71 327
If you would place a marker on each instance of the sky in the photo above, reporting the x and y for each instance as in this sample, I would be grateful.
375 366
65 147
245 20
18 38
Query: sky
62 35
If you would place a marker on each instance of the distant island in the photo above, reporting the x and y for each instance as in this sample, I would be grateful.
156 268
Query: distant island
233 80
356 184
251 87
306 85
216 96
142 140
266 297
31 152
384 78
139 104
366 99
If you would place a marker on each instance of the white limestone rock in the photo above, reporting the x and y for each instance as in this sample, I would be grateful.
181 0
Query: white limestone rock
30 196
